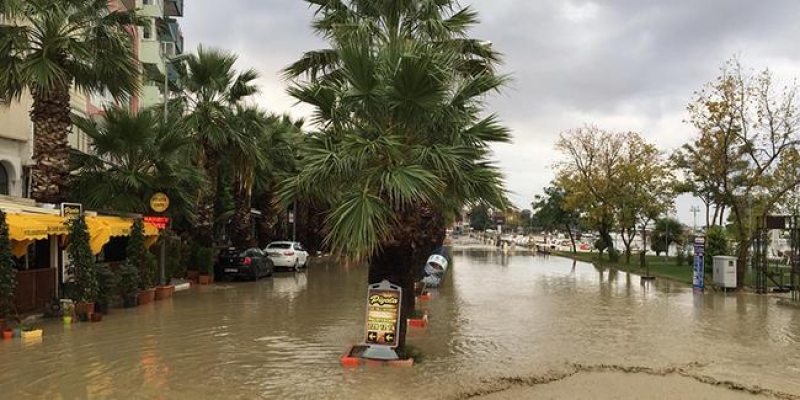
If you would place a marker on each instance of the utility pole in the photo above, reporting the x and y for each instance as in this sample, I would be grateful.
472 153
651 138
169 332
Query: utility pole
694 210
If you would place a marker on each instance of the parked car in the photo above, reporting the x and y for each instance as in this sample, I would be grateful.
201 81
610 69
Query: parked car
250 263
287 255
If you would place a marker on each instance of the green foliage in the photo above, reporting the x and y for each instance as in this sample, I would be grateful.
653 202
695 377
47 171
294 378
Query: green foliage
479 218
667 231
551 212
128 284
176 258
139 257
205 260
107 284
716 244
8 271
398 99
81 265
132 157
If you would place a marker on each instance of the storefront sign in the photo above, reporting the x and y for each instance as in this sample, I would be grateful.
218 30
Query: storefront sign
158 222
71 210
159 202
699 263
383 314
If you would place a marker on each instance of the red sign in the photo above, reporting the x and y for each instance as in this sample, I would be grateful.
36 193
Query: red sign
158 222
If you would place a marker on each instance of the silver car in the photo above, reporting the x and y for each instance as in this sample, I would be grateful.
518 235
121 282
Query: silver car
287 255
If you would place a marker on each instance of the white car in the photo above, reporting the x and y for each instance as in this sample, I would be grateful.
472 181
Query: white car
287 255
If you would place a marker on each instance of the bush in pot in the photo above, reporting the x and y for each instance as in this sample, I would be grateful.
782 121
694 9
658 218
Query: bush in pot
8 273
107 282
205 264
82 267
128 284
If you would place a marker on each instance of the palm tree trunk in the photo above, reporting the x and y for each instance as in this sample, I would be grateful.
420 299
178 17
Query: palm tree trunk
204 233
242 220
266 225
50 115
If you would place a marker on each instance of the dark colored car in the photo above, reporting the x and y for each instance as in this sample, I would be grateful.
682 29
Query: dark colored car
249 264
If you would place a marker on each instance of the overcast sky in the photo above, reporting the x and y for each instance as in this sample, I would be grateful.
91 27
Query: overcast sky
621 65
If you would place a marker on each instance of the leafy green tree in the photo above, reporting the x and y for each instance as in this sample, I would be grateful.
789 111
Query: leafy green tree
81 265
667 231
716 244
48 48
550 210
8 270
748 132
139 257
135 155
479 217
211 90
401 146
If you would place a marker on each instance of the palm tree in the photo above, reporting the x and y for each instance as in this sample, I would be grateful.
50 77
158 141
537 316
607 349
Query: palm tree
211 91
401 146
135 155
49 48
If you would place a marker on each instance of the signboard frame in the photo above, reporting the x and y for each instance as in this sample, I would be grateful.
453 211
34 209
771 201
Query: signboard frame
698 268
67 210
382 320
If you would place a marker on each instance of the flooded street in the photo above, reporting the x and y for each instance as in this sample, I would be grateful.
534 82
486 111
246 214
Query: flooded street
500 322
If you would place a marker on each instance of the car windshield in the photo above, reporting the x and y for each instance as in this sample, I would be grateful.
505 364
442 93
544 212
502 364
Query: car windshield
279 246
233 253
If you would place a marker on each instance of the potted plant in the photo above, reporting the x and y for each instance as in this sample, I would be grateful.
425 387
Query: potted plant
8 333
165 289
128 285
82 268
107 282
143 261
68 312
205 264
8 273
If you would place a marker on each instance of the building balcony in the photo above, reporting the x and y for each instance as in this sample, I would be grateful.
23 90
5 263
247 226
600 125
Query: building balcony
150 53
173 8
150 95
154 8
170 31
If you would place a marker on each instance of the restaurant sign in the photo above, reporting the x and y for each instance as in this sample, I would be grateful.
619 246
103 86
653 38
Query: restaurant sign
159 202
71 210
383 320
158 222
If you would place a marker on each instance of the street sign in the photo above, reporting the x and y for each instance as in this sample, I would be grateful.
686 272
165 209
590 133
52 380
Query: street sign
698 270
159 202
158 222
382 325
71 210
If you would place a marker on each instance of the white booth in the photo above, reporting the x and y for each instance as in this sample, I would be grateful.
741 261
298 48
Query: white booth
725 271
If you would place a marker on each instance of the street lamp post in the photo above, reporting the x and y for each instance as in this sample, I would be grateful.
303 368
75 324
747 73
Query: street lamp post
162 253
694 210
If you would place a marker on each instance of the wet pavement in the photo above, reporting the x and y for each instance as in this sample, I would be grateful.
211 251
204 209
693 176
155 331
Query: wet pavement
499 322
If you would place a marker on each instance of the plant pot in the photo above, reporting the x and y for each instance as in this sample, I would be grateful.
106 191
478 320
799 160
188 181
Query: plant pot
147 296
8 334
84 307
36 333
129 301
101 307
205 279
67 319
164 292
97 317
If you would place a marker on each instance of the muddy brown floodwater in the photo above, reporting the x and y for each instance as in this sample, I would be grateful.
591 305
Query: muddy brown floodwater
506 326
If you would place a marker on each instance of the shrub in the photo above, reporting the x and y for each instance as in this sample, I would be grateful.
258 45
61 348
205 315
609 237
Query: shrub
8 272
128 283
138 256
81 266
205 260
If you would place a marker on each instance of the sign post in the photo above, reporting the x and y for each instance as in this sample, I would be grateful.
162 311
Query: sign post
159 202
382 325
699 264
71 210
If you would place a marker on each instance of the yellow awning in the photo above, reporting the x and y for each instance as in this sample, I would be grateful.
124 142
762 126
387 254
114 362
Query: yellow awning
24 229
102 229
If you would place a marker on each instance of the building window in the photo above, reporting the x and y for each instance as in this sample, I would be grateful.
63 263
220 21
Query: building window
147 31
4 189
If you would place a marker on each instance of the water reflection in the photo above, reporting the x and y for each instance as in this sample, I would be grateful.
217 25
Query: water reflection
498 315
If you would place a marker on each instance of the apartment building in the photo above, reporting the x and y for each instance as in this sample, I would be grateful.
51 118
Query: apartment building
153 44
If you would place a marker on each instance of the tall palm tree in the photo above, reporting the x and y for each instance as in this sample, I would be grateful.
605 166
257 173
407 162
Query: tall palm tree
211 91
133 156
50 47
402 146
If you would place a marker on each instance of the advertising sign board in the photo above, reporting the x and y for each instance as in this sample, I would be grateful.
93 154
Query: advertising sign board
71 210
699 263
382 323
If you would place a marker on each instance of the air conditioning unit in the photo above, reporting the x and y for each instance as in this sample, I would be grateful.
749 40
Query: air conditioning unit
168 49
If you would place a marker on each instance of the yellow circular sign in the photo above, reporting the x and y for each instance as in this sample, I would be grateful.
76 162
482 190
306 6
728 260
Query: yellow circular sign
159 202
